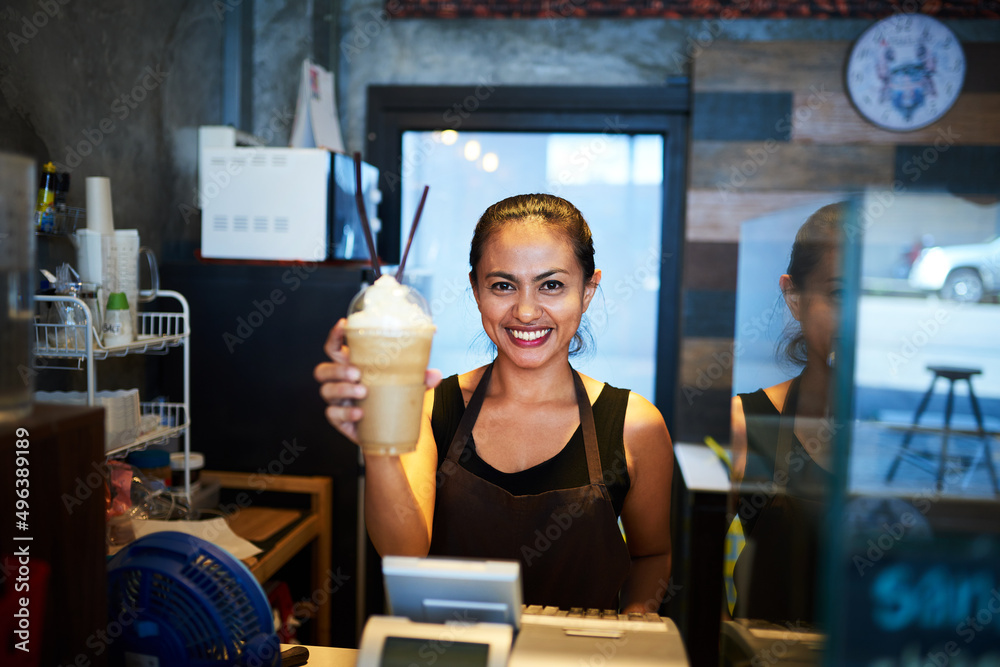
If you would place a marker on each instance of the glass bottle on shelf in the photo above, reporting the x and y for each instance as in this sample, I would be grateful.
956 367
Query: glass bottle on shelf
45 212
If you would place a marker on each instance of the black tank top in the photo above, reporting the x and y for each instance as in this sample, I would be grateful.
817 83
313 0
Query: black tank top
781 569
565 470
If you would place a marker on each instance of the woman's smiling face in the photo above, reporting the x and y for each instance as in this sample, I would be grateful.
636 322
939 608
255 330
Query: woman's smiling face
531 292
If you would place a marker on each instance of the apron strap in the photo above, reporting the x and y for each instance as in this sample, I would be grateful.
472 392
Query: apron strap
589 432
786 431
468 421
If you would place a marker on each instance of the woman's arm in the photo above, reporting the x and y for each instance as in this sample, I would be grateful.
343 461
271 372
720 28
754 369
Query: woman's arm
399 493
738 426
646 512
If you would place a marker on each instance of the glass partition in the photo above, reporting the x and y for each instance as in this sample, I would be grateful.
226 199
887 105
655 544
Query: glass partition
865 422
789 297
914 570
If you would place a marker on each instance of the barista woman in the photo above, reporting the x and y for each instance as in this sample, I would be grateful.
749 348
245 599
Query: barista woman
525 458
781 435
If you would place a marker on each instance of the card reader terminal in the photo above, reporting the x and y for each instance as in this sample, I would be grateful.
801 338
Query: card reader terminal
574 637
468 612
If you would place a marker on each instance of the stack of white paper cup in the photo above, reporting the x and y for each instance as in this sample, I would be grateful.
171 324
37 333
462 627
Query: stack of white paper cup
88 256
100 217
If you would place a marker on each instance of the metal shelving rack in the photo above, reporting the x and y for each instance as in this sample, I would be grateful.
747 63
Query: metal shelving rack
77 347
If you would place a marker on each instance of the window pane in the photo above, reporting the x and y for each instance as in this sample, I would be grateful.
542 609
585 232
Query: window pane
615 181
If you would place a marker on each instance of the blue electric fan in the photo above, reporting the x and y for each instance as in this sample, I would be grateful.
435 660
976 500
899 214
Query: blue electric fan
184 601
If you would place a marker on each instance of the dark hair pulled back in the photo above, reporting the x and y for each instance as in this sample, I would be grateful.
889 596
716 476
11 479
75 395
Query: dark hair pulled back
819 234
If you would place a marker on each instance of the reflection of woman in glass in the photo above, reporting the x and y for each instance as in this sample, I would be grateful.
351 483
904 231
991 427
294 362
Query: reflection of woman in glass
781 437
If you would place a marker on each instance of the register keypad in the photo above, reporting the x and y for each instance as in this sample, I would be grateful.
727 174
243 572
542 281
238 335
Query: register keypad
597 619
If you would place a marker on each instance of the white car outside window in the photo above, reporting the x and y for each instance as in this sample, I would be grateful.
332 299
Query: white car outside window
959 272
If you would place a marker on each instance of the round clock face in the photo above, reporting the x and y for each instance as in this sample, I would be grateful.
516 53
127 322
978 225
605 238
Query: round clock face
905 72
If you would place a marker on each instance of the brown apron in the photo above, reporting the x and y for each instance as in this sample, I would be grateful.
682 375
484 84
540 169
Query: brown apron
571 551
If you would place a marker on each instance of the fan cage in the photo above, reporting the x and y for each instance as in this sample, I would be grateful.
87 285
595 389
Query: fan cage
200 595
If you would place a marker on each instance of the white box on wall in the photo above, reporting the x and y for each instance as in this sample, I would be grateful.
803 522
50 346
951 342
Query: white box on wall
264 203
259 202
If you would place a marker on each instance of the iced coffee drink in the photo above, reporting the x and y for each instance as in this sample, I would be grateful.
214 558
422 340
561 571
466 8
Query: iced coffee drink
389 332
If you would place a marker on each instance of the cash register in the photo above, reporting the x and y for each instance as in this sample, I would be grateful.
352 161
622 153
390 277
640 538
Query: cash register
454 612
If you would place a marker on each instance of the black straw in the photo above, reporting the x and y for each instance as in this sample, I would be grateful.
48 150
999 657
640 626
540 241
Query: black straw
409 240
359 199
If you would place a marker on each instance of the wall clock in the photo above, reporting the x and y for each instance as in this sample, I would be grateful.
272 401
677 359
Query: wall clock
905 72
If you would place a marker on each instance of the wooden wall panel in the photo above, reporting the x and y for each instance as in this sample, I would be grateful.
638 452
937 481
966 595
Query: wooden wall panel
708 364
710 266
960 169
742 116
708 313
973 120
811 66
737 166
715 216
771 66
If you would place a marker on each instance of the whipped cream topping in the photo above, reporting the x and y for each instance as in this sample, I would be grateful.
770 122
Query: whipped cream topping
389 305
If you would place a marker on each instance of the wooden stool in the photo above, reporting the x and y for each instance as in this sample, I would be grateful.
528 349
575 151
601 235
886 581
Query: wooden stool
920 458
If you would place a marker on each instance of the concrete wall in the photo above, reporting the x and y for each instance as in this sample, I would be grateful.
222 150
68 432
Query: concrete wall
113 89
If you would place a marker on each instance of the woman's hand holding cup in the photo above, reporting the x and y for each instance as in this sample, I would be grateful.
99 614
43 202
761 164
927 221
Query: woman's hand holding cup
340 383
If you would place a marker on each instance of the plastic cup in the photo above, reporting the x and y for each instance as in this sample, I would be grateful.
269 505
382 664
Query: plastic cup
392 351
